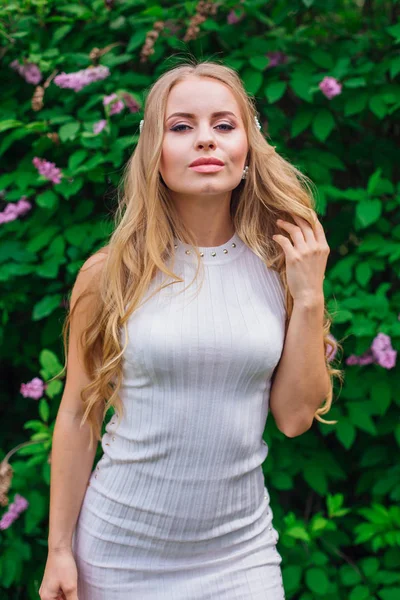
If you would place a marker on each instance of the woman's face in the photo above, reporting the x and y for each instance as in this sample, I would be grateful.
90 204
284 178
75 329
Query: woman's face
203 134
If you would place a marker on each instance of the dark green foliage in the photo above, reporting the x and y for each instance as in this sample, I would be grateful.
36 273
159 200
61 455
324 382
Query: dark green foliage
335 491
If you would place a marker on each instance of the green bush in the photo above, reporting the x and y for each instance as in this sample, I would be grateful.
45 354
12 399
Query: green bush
323 74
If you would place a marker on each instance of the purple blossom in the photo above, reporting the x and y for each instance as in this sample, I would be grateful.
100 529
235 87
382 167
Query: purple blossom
14 510
331 351
47 169
29 71
99 126
80 79
130 103
383 352
276 58
117 105
232 18
13 210
33 389
330 87
380 352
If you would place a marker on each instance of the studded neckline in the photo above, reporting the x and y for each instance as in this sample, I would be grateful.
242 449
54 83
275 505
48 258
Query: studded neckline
210 254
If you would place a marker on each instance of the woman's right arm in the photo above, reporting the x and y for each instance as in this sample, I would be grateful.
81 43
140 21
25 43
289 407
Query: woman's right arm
71 461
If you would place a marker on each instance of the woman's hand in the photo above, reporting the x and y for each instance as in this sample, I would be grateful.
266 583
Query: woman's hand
306 258
60 579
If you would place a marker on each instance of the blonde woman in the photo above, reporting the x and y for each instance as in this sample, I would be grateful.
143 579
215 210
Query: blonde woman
179 324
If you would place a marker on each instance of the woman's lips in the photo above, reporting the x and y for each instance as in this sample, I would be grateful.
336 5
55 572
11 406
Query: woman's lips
207 168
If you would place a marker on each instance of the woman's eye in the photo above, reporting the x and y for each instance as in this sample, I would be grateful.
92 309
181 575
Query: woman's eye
177 127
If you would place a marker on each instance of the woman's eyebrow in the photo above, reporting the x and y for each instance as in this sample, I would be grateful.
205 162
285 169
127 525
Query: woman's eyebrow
219 113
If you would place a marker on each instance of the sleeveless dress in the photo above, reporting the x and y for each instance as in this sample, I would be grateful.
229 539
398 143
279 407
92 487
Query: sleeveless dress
177 508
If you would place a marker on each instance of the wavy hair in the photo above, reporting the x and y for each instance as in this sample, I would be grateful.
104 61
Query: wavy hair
146 222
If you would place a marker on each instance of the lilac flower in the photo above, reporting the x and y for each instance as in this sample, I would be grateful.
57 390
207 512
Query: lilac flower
33 389
232 18
99 126
47 169
80 79
330 87
130 103
13 210
331 351
383 352
276 58
14 510
380 352
29 71
117 105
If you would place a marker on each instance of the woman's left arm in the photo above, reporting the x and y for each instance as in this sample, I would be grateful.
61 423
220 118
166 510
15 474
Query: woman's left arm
301 381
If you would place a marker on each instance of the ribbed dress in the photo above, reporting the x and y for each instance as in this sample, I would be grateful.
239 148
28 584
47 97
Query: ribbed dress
177 508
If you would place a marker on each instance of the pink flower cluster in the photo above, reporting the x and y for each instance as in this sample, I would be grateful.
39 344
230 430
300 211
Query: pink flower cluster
119 101
233 18
80 79
330 351
330 87
47 169
13 210
29 71
33 389
381 352
99 125
276 58
14 510
117 104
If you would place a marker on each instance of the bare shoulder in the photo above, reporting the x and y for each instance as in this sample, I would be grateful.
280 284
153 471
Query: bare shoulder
88 275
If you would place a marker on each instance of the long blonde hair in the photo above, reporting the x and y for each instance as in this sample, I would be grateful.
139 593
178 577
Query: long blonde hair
146 222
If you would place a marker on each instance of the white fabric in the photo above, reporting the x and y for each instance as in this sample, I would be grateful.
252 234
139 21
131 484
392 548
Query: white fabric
177 508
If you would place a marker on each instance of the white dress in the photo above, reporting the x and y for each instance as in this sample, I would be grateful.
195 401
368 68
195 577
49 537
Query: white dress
177 508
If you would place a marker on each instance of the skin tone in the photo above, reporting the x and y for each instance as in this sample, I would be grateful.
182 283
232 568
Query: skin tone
203 199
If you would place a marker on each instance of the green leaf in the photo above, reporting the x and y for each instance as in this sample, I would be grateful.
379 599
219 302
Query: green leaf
282 481
44 410
47 199
360 592
394 31
252 80
291 576
394 66
275 90
373 181
356 104
69 131
349 575
378 106
46 306
9 124
259 62
301 121
54 388
315 476
36 511
381 394
345 433
42 239
317 581
297 532
368 212
322 59
355 82
358 412
50 363
76 159
302 88
323 124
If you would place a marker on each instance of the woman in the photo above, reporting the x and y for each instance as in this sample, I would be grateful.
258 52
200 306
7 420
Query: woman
177 507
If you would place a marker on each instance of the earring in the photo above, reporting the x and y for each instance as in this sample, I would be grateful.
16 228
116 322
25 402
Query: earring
245 171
